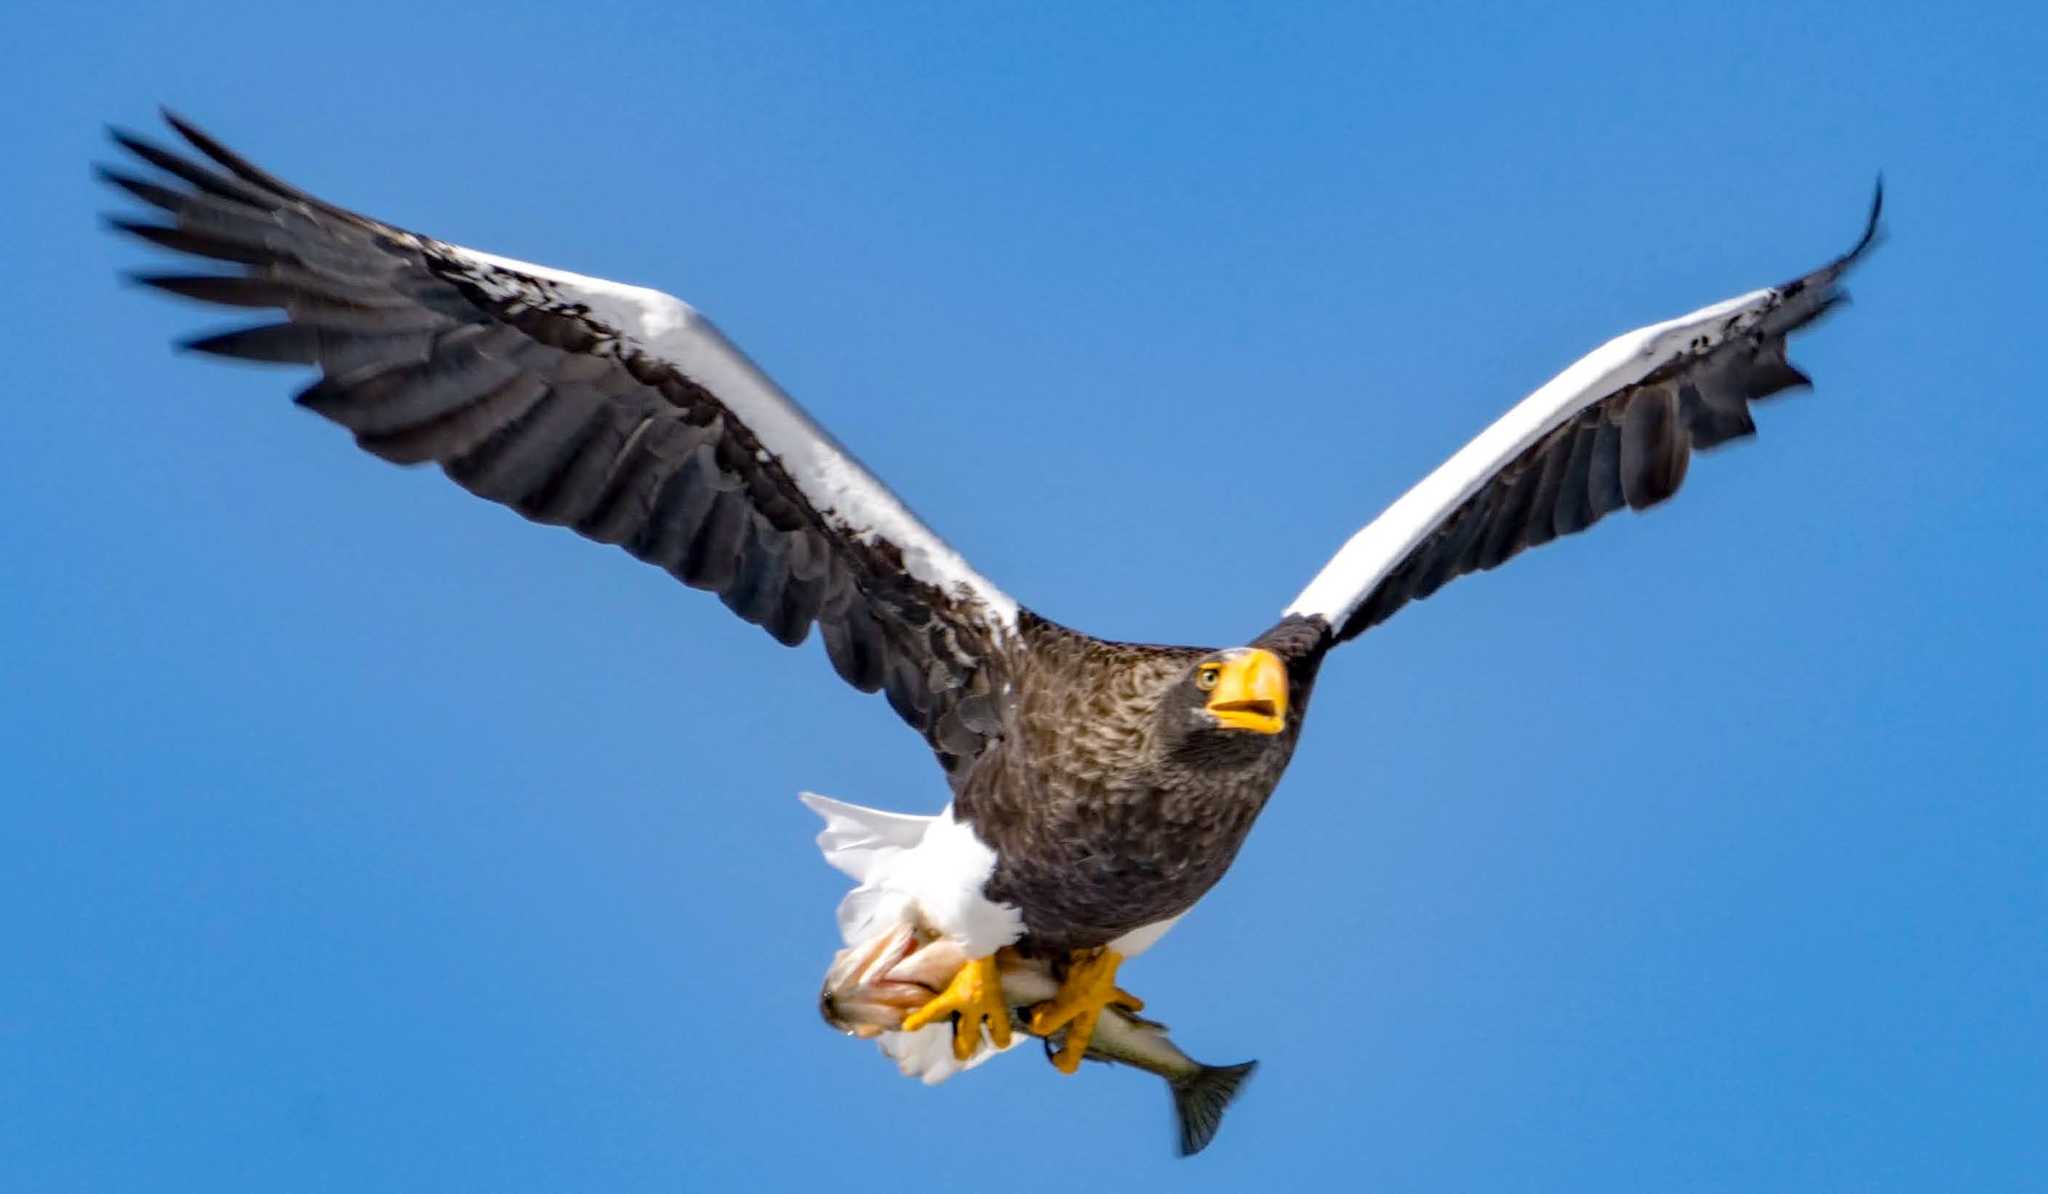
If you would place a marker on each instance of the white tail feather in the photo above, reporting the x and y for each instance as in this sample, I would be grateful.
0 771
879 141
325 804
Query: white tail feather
856 840
922 872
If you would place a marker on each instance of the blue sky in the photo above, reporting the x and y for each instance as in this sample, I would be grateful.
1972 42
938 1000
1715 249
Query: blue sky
362 837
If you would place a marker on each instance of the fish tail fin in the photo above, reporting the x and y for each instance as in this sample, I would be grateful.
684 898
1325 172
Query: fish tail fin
1200 1099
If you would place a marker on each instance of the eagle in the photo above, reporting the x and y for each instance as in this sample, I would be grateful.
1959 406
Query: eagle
1097 789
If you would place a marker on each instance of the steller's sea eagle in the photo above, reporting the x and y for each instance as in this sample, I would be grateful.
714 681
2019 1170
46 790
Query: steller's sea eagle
1098 788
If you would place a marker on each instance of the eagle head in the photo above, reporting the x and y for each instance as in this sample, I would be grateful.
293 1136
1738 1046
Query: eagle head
1230 701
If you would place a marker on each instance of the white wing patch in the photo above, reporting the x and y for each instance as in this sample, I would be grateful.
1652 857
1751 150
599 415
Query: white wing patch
1372 553
837 485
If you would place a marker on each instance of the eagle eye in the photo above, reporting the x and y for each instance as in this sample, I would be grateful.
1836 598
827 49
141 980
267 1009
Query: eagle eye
1206 678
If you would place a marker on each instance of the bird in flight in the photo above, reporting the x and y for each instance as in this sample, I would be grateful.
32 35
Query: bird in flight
1098 789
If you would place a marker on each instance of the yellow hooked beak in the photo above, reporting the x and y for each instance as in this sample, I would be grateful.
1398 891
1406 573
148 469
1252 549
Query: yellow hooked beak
1247 691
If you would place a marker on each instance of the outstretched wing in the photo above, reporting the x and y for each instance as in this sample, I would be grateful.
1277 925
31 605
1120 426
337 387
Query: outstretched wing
617 411
1616 428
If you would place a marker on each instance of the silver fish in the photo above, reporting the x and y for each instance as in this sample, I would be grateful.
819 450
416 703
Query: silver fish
872 986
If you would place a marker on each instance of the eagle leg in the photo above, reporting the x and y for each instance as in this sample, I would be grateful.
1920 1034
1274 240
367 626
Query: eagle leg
1089 987
973 998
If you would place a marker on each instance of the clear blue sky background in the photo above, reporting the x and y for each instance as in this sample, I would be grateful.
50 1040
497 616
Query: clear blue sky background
362 837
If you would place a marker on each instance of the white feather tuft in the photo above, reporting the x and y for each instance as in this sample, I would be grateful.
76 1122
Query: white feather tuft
927 1054
947 872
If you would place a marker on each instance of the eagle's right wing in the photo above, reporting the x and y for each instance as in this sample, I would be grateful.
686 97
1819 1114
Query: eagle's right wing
614 410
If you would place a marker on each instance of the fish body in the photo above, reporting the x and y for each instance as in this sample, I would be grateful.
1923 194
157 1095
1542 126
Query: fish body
874 984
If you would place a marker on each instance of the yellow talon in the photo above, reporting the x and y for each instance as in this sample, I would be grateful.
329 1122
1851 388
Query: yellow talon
1089 987
973 998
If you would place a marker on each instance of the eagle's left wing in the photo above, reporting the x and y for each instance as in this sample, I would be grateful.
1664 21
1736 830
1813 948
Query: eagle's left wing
1616 428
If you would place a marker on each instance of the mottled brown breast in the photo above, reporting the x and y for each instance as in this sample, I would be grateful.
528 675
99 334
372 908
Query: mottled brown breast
1102 823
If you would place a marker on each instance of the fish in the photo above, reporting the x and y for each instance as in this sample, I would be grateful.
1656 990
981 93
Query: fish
873 985
1201 1093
